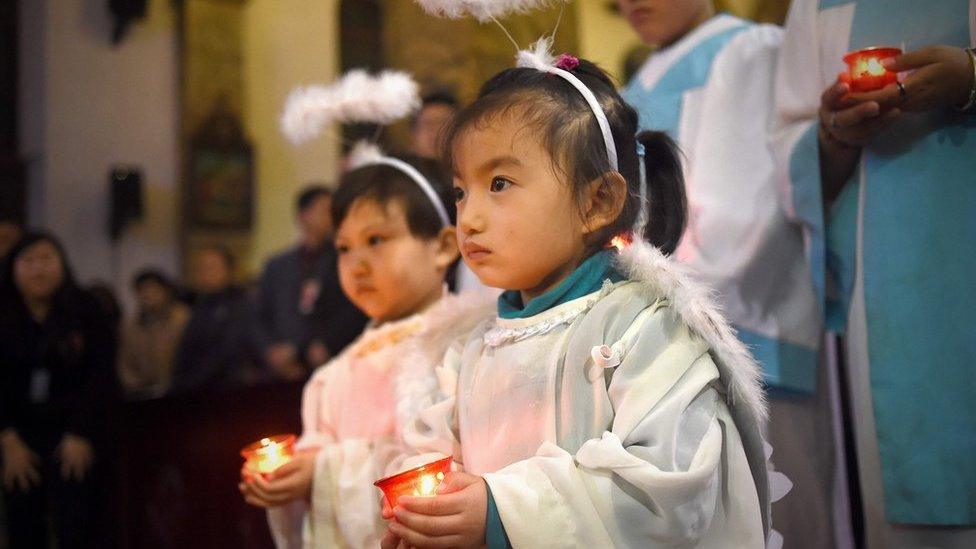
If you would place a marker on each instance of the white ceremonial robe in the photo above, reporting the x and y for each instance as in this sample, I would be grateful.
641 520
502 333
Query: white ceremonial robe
353 411
655 442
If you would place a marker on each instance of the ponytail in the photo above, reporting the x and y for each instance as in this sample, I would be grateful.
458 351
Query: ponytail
665 191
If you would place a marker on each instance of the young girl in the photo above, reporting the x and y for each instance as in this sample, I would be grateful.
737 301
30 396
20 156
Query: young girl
396 244
609 403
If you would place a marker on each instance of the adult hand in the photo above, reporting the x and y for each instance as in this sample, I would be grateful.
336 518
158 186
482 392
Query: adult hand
283 359
76 455
20 464
941 77
850 120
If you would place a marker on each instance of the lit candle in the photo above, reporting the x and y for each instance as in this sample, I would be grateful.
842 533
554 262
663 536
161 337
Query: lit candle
420 481
622 241
267 454
865 71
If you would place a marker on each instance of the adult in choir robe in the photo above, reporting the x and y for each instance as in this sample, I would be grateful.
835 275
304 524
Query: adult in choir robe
709 86
884 185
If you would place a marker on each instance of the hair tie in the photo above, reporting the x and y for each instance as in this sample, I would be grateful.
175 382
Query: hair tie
567 62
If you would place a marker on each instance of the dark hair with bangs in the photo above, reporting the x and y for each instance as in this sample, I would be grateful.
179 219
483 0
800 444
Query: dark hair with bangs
569 131
384 184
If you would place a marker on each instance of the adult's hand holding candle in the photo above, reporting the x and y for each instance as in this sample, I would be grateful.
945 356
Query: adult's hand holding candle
933 77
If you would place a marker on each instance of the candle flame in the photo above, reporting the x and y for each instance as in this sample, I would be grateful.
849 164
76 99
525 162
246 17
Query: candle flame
427 484
620 242
869 67
271 455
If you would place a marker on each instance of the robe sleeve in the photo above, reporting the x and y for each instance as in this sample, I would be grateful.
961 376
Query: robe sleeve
663 473
344 507
798 87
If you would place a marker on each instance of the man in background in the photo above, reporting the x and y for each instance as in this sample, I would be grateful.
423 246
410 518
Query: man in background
303 316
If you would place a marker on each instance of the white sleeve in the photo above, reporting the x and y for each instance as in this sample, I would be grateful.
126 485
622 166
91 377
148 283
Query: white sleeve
288 522
797 90
664 475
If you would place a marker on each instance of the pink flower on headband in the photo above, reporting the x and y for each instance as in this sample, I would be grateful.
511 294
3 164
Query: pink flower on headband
567 62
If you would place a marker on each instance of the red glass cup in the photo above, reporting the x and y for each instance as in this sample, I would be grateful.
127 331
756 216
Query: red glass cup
865 71
419 481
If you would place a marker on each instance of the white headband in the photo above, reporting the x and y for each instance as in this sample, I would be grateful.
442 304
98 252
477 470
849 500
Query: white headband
540 58
368 154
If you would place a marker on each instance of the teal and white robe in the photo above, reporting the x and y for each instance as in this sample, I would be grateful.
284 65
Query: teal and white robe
894 254
711 92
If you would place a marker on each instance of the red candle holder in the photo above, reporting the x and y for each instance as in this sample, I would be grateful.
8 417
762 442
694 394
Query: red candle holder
419 481
865 71
267 454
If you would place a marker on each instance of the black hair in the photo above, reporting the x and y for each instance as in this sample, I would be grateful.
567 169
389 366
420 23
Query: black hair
444 98
570 132
156 276
309 194
440 98
384 184
11 298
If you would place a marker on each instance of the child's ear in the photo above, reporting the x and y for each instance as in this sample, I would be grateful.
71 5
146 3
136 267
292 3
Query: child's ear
604 200
447 247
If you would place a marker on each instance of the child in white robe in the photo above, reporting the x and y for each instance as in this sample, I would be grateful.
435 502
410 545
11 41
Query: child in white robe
609 403
394 251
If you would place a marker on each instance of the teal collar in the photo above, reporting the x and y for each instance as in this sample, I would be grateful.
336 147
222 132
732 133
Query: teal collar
586 279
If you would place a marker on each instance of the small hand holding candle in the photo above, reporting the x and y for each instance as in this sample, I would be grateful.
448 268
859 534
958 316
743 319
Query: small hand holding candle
455 518
273 473
420 481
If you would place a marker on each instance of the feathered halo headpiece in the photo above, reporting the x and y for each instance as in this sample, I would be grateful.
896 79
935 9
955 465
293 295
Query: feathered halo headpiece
359 97
483 10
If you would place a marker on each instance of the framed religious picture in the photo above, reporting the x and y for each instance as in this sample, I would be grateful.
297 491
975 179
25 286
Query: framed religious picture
220 174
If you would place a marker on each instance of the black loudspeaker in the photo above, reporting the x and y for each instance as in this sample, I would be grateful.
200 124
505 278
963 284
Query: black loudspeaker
126 206
124 12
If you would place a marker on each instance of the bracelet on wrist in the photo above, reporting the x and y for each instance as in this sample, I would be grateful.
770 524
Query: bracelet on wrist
970 105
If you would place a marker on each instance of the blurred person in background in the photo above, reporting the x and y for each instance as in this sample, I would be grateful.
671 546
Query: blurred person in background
57 384
215 350
303 316
151 336
436 111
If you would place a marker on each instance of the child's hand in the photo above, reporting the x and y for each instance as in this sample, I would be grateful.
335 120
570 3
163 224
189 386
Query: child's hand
392 541
291 481
942 77
454 518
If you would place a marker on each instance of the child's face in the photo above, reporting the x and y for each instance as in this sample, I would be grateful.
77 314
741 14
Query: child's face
384 269
662 22
519 223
